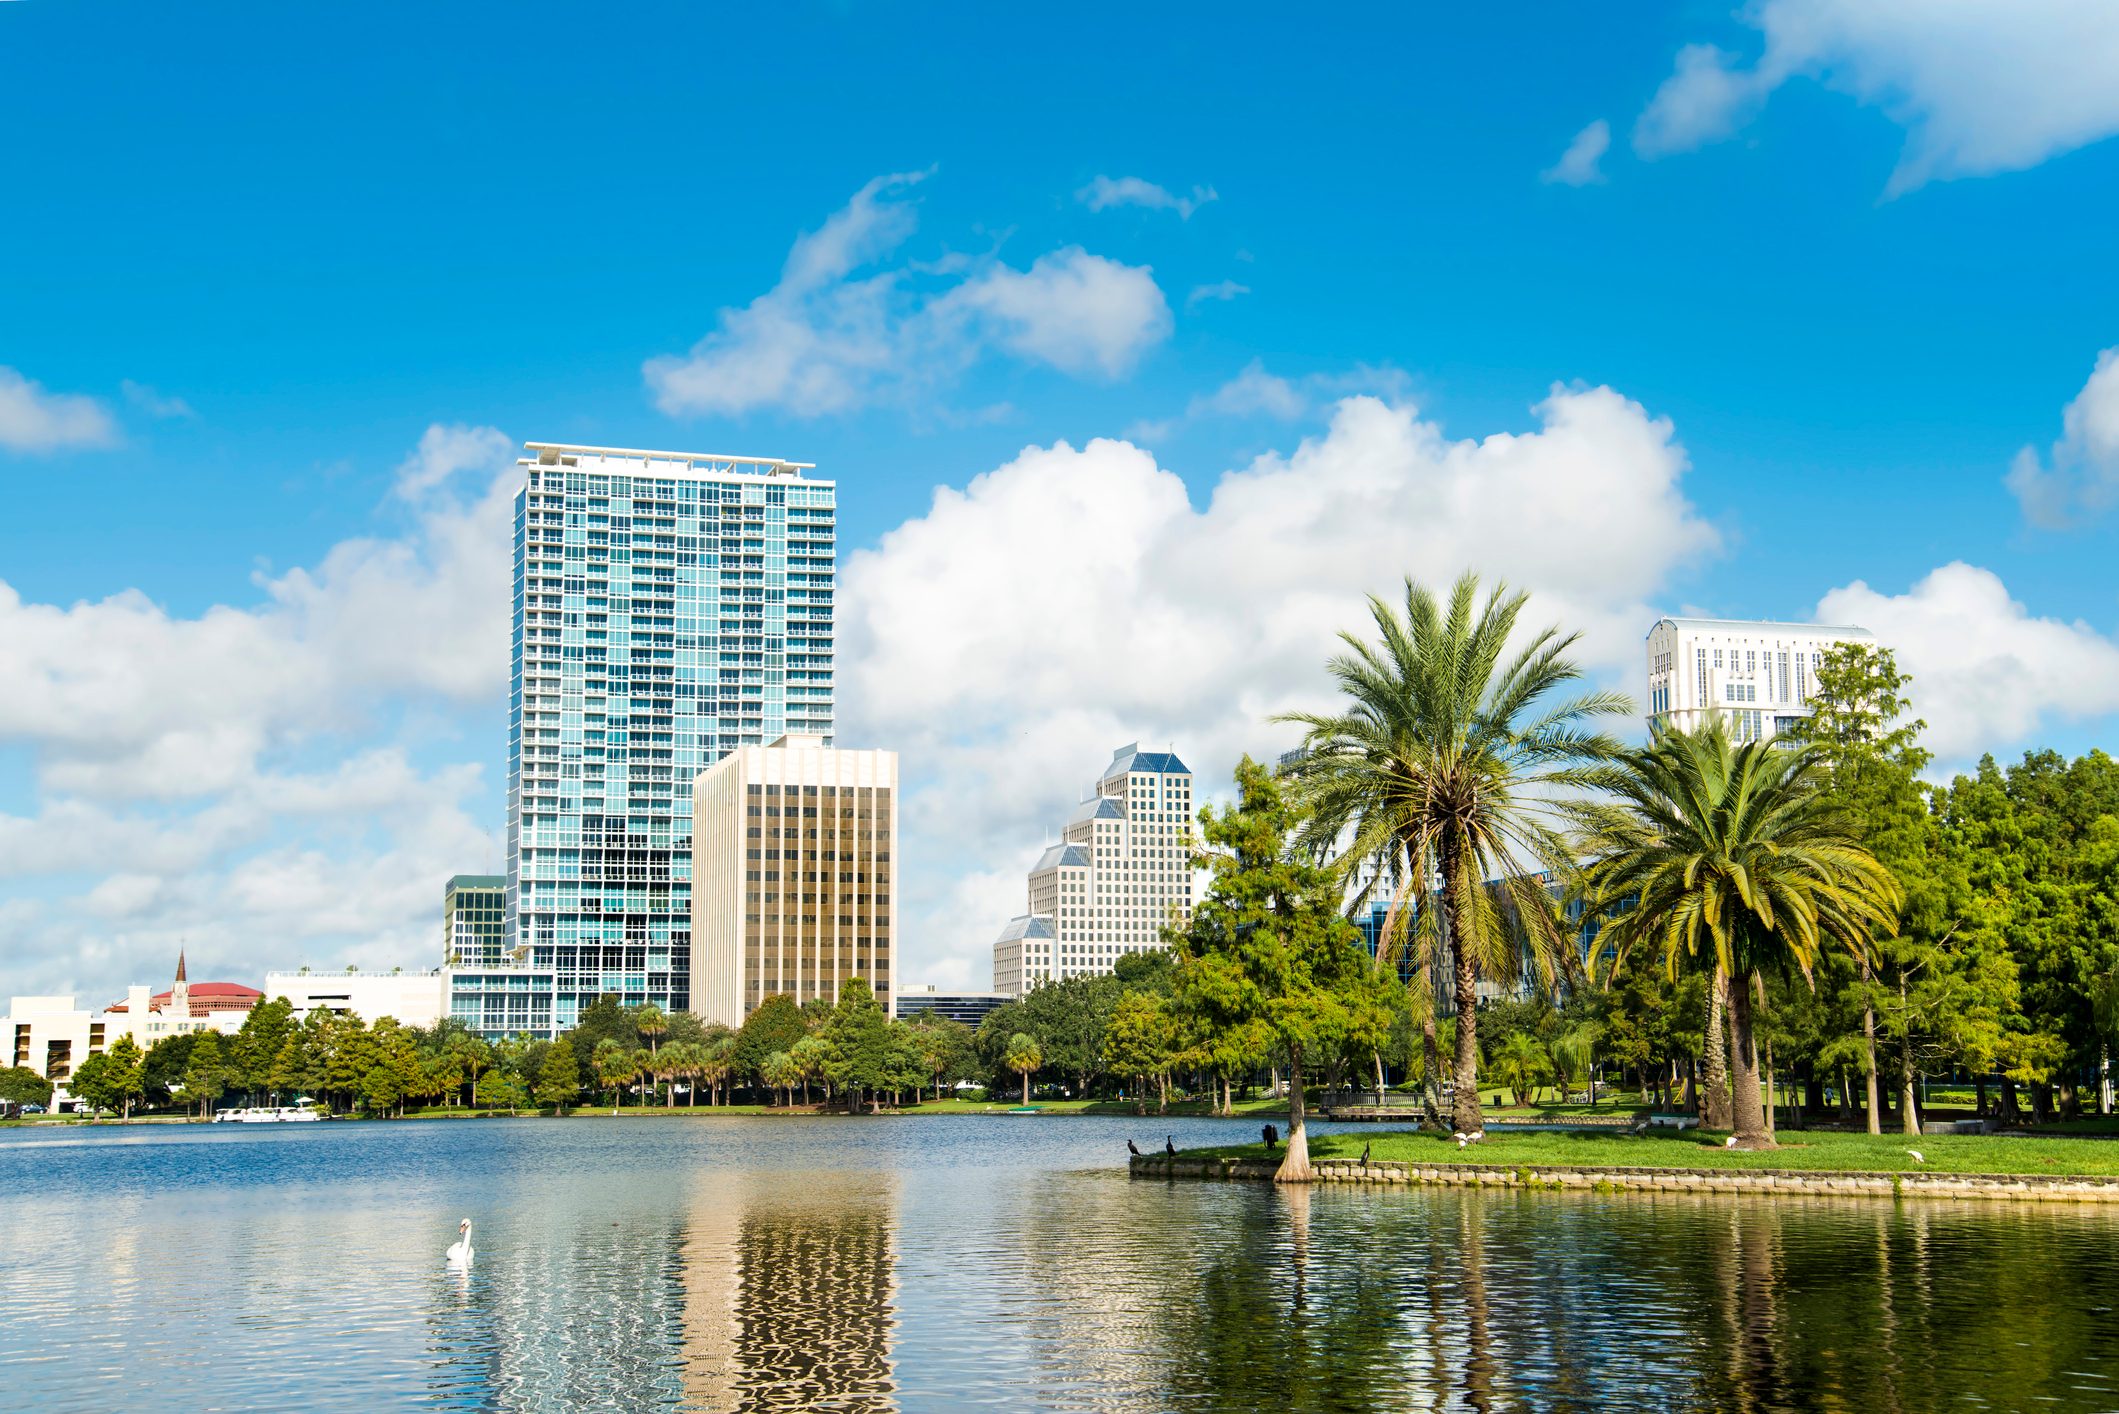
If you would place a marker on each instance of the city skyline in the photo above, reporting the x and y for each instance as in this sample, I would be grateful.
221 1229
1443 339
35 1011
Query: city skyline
1123 431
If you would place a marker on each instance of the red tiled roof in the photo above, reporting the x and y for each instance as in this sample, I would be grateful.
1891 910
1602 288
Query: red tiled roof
206 997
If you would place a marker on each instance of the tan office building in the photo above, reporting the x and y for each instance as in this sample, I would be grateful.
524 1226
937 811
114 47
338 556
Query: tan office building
794 875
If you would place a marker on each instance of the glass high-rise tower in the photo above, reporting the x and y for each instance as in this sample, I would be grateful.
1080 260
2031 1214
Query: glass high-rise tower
669 607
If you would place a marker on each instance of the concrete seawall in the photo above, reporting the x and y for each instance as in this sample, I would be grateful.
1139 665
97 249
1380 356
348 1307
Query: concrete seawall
2052 1188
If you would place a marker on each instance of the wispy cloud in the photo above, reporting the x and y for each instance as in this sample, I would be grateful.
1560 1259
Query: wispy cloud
152 403
1107 192
1577 166
34 419
1220 290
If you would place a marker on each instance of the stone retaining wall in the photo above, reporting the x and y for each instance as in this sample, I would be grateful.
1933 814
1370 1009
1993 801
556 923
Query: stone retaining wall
1615 1179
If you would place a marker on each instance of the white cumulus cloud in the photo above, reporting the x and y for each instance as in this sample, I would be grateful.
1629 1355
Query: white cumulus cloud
35 419
1986 672
1075 599
1577 166
1980 86
2080 479
845 329
240 777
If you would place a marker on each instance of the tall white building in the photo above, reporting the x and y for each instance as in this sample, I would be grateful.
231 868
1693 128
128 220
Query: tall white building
1759 675
408 998
1120 873
795 867
670 607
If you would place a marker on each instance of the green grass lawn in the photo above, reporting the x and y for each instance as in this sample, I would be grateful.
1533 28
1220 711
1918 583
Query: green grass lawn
1807 1150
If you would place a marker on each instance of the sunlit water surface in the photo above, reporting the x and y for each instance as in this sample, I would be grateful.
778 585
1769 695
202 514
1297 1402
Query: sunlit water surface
945 1263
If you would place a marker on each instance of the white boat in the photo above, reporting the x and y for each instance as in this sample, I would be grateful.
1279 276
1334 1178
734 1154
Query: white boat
299 1112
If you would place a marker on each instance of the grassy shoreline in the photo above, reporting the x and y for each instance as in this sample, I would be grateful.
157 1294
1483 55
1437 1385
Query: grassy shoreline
1801 1151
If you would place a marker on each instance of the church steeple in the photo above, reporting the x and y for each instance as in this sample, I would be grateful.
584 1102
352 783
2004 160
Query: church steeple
180 964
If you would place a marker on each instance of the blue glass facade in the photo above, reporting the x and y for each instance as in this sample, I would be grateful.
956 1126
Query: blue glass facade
668 607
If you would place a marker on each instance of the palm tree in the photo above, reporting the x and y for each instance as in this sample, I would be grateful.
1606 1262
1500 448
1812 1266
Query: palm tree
1451 760
614 1067
715 1065
1521 1064
1023 1056
1736 860
652 1024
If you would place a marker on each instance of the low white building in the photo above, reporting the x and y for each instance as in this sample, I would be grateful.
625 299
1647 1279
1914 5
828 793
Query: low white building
409 998
1758 675
52 1036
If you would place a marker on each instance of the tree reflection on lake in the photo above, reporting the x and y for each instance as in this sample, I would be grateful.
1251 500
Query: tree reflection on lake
939 1264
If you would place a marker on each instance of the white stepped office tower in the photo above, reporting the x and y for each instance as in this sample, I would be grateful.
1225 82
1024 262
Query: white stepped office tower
1760 676
1120 874
669 607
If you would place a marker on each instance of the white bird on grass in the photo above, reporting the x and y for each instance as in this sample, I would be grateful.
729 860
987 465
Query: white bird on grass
1730 1142
1916 1156
459 1253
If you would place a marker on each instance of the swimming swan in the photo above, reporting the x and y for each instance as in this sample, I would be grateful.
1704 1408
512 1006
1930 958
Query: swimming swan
459 1253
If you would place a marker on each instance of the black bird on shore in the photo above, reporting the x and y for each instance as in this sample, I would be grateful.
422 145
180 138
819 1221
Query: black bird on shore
1364 1153
1170 1146
1133 1148
1272 1137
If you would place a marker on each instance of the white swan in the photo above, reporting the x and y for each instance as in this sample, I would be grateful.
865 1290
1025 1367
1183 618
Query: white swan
459 1253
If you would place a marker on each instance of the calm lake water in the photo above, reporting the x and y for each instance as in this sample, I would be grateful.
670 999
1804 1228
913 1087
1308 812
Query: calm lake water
946 1263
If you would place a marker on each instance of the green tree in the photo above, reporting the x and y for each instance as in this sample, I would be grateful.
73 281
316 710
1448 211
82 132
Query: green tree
254 1047
98 1083
1024 1057
945 1049
498 1088
605 1019
163 1071
1521 1064
859 1052
652 1025
559 1078
128 1073
1732 856
19 1085
205 1073
780 1074
775 1025
613 1061
812 1063
1141 1043
1267 947
1452 759
383 1088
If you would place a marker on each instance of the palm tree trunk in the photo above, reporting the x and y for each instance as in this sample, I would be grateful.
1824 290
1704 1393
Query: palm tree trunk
1295 1166
1749 1120
1026 1089
1868 1031
1431 1073
1716 1107
1464 1113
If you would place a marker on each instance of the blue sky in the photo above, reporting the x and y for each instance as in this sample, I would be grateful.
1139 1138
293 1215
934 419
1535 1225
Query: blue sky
1308 282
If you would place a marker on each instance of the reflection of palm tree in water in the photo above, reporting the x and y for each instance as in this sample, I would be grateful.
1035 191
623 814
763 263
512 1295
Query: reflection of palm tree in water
1479 1352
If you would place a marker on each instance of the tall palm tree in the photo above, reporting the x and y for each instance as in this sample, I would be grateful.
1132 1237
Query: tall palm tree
652 1024
1734 859
1024 1056
1451 760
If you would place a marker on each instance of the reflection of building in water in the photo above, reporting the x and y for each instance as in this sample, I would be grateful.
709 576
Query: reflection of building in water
565 1309
790 1292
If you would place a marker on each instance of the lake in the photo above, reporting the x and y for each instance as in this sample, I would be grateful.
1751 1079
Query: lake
939 1263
